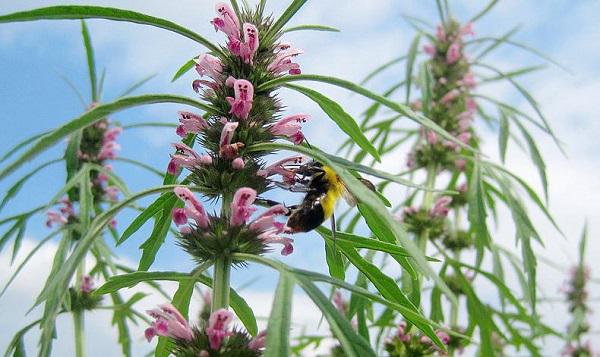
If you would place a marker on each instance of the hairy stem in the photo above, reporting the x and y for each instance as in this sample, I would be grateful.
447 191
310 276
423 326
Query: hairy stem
79 328
220 291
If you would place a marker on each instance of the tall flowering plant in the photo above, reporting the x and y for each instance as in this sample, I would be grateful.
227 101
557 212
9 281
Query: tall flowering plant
442 80
237 120
91 188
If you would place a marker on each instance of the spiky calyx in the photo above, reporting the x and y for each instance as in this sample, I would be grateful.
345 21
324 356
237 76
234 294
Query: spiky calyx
81 301
221 239
236 345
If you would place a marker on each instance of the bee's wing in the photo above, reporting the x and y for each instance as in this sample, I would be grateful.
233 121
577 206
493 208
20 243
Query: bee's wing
349 197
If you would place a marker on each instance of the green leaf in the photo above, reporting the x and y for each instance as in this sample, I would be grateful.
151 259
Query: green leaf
16 187
410 62
382 68
27 258
86 202
278 331
162 224
141 165
316 277
183 69
73 12
291 10
22 144
503 136
379 217
352 344
343 120
358 242
89 52
72 154
476 210
90 117
136 85
310 27
485 10
334 261
402 109
536 157
384 284
58 283
149 212
16 345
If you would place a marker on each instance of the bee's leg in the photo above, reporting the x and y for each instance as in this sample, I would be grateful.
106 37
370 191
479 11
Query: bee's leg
270 203
292 188
333 228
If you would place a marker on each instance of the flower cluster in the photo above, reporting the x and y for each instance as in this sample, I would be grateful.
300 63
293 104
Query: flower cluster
207 236
242 115
81 296
98 144
452 106
575 290
212 338
405 343
433 220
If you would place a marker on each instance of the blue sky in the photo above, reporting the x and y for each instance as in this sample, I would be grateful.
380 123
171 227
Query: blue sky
33 98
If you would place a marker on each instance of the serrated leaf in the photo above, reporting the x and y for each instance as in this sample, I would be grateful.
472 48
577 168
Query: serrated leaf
342 119
90 117
278 331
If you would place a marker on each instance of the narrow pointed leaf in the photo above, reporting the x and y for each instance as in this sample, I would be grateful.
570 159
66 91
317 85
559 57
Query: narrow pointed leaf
278 332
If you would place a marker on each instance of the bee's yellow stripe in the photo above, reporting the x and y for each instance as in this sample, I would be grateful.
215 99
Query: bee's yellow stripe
333 193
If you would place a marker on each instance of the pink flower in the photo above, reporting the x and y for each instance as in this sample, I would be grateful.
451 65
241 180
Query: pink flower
54 217
440 208
227 150
290 127
271 236
179 216
242 103
467 30
111 134
266 220
401 333
113 223
209 65
217 327
238 163
250 45
226 21
270 229
340 304
464 137
279 168
462 188
87 284
283 61
193 207
429 49
453 53
471 105
112 193
432 138
450 96
443 337
186 156
185 230
258 342
469 80
241 206
109 151
190 123
169 323
460 164
440 34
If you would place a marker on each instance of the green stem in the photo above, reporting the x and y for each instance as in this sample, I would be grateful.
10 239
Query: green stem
79 330
78 316
220 291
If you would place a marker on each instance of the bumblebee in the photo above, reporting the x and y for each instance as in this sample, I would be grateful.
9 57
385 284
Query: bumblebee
323 189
